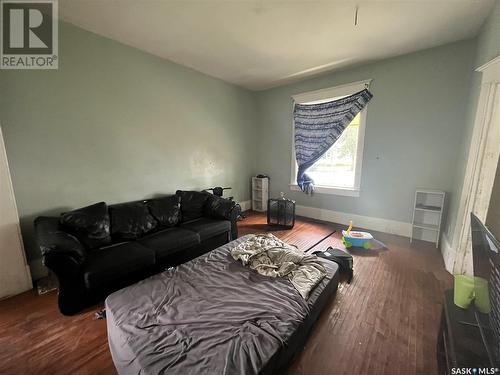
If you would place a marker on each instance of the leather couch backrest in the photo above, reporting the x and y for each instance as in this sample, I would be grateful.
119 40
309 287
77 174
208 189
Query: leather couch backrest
90 224
192 204
130 221
166 210
100 225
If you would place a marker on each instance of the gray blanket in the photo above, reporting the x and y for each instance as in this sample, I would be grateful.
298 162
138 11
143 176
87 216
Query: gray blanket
270 256
211 315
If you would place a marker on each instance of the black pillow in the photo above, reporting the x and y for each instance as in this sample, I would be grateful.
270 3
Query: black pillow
192 203
89 224
130 221
166 210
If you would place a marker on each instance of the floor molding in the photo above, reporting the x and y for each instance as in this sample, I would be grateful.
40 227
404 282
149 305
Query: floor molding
367 222
245 205
448 254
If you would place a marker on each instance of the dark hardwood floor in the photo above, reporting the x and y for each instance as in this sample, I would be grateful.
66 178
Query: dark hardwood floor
384 322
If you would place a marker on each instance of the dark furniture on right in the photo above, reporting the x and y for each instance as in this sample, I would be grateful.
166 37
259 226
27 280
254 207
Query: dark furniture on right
97 250
460 344
281 212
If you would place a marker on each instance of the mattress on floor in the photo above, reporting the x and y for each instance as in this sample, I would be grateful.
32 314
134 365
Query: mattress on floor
212 316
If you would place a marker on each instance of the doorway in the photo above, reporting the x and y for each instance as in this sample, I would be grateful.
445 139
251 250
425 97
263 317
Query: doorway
484 153
15 276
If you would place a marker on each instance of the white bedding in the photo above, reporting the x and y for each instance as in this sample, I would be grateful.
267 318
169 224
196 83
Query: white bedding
269 256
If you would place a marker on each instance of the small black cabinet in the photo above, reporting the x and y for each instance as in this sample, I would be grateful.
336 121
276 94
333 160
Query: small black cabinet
281 212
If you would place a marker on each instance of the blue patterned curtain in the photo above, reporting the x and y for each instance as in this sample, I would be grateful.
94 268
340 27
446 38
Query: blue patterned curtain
317 128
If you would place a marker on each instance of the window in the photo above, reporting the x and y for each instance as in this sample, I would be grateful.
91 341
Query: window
339 169
338 166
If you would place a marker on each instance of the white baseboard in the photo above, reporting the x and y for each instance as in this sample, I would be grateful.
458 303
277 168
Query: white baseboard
38 270
367 222
245 205
448 254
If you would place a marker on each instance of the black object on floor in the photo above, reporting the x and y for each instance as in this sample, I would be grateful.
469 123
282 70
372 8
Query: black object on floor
101 314
219 191
241 214
46 284
281 212
317 243
343 259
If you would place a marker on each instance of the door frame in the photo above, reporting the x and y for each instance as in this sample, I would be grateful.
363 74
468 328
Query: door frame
27 283
484 152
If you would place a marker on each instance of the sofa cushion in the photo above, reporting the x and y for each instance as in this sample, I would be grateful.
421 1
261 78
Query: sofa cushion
166 210
170 241
89 224
130 221
192 204
115 263
208 228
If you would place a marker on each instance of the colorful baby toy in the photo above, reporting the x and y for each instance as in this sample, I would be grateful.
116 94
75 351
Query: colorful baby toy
365 240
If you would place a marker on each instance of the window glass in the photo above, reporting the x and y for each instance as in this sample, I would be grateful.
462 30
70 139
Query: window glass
337 167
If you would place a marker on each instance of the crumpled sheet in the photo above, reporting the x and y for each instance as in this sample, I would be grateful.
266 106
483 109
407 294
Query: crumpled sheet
269 256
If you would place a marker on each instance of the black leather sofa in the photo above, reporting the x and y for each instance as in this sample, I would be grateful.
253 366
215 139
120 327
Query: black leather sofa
98 249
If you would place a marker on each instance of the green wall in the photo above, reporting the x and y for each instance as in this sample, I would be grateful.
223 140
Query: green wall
413 132
117 124
488 47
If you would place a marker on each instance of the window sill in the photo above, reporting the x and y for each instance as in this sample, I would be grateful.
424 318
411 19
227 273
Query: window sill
348 192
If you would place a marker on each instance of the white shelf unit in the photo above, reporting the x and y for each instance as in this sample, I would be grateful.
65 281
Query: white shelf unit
427 215
260 194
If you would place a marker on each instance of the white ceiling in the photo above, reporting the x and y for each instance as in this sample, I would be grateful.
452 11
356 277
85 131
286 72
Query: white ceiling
262 44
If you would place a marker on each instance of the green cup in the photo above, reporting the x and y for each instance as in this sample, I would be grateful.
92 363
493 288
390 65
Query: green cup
468 289
482 295
464 291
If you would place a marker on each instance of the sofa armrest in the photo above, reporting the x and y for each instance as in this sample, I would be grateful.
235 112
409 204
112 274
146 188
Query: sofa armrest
62 252
219 208
226 209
